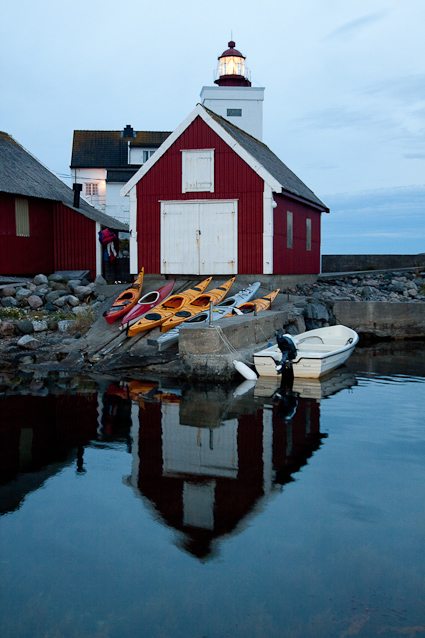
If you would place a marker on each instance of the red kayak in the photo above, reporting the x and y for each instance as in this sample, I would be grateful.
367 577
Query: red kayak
147 302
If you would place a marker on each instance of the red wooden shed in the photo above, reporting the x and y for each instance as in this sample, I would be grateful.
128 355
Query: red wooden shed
40 228
213 199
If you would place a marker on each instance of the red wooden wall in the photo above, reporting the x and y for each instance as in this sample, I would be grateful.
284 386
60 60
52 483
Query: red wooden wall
60 239
296 260
233 179
75 240
26 255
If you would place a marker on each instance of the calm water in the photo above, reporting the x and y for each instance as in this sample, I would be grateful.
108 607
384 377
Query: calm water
158 510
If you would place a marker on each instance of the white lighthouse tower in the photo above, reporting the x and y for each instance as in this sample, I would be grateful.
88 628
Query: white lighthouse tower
234 98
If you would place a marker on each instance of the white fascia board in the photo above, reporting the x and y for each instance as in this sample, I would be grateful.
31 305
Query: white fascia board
98 251
268 206
160 151
226 137
243 154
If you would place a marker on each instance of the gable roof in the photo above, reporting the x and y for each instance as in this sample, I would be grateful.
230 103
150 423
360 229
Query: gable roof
257 155
109 149
22 174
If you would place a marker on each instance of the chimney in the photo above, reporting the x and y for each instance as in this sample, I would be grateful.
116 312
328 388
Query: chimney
77 188
128 132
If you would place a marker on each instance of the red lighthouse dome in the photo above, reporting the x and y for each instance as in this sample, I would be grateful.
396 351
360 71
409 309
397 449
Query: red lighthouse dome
231 70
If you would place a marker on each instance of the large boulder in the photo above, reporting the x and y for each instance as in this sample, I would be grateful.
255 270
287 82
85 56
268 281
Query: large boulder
34 302
22 294
24 326
28 343
9 302
40 279
8 291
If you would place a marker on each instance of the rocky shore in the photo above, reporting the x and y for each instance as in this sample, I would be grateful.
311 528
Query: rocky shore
49 319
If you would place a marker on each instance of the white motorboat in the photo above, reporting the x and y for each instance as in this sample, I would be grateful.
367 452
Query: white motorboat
317 352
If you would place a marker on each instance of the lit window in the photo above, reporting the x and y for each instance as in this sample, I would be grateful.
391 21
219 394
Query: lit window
22 218
289 229
92 189
308 233
234 112
198 171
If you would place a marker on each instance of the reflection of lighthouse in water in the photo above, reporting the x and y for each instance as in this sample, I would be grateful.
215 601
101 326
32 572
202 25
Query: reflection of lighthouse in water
204 481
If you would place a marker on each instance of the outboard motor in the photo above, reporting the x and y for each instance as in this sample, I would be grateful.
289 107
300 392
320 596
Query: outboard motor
287 346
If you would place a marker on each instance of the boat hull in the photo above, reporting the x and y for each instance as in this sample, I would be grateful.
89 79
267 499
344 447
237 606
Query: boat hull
314 359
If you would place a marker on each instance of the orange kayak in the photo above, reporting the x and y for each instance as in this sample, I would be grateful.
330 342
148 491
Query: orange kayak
125 300
199 304
167 309
257 305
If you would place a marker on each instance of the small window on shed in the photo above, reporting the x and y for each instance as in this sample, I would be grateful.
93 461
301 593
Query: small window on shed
22 218
198 171
308 233
234 112
289 229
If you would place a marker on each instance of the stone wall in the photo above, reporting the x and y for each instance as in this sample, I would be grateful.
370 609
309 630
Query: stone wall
353 263
381 319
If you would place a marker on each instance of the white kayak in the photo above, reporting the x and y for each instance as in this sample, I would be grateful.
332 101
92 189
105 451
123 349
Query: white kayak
218 312
318 352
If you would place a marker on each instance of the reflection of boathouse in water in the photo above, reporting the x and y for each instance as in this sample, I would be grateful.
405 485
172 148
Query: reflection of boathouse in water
39 435
205 480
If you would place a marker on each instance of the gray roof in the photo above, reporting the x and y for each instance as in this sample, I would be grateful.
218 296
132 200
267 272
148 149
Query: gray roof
273 165
120 175
109 149
22 174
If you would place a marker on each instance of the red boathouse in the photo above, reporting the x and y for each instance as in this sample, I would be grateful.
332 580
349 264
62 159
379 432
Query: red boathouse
214 199
42 227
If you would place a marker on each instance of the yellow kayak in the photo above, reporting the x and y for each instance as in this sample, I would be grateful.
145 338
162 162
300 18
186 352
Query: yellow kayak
125 300
199 304
167 309
257 305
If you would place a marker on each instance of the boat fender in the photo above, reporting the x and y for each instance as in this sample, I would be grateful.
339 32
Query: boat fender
244 370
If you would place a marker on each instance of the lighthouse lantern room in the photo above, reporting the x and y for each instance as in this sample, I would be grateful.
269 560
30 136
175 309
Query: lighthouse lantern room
233 97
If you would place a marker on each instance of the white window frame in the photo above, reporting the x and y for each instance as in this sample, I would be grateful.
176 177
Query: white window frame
187 159
91 189
22 217
289 229
308 234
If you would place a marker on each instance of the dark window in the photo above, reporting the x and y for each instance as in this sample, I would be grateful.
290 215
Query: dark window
234 112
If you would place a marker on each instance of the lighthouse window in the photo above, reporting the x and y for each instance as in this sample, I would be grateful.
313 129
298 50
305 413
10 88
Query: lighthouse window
234 112
198 171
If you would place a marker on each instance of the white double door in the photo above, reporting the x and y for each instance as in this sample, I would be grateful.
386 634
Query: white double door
199 237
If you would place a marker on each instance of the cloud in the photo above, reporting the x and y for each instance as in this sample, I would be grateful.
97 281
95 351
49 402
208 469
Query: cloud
354 26
388 220
404 89
341 117
414 156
